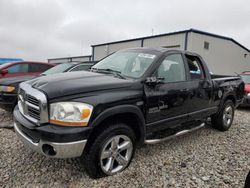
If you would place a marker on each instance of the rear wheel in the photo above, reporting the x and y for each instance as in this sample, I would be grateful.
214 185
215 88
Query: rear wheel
224 119
110 151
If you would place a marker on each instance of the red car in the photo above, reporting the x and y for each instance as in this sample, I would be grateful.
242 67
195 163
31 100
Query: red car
246 78
23 68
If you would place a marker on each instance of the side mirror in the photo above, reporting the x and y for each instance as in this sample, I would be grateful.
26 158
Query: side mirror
160 80
4 71
154 80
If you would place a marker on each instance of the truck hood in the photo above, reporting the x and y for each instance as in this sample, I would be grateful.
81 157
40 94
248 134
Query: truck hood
71 83
247 88
15 80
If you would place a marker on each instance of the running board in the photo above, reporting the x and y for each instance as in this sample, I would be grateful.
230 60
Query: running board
155 141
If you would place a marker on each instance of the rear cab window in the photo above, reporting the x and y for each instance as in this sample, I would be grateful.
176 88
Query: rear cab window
196 71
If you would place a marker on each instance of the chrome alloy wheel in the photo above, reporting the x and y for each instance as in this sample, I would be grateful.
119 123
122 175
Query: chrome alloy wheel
116 154
228 115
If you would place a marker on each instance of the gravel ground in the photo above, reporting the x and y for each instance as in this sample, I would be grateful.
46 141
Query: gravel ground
205 158
5 119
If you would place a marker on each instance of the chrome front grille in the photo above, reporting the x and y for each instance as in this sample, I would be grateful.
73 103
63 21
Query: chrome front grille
32 100
34 113
32 104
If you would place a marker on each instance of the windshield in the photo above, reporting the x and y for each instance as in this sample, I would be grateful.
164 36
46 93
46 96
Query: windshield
58 69
245 78
130 64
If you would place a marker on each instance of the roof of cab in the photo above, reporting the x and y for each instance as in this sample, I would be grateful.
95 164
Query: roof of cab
159 50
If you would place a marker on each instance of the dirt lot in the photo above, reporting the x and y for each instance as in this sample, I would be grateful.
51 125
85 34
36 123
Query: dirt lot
205 158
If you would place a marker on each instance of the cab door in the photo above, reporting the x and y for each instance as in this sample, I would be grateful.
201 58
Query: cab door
167 100
200 87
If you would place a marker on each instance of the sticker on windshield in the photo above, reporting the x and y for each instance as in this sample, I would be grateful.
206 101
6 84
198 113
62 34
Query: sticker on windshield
150 56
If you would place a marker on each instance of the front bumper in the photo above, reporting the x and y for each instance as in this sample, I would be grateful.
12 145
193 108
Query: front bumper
53 149
50 140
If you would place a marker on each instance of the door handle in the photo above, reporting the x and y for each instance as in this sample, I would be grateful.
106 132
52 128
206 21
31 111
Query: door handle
207 87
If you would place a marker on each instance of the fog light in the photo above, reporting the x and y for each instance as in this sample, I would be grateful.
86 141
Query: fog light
48 150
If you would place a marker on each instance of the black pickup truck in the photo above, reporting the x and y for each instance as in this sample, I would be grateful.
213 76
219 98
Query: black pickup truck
132 97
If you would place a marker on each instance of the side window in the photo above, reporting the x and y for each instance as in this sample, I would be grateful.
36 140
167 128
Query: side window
35 67
195 68
19 68
172 69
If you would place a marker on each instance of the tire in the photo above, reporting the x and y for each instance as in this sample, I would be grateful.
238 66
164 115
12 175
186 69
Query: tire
224 119
110 151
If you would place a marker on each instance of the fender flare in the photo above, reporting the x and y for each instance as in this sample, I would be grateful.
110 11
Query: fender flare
225 97
120 110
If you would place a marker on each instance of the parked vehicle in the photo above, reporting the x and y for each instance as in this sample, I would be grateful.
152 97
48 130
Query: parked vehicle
246 78
7 60
132 97
23 68
10 86
69 67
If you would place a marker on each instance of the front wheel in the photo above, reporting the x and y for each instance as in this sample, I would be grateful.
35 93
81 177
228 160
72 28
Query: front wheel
111 151
224 119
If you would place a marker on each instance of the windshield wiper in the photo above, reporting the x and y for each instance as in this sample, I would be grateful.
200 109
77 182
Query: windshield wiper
108 70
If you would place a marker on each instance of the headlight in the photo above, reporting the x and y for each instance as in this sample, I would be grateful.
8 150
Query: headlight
7 89
70 113
248 94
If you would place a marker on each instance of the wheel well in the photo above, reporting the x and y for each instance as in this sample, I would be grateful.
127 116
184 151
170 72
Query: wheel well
232 98
130 119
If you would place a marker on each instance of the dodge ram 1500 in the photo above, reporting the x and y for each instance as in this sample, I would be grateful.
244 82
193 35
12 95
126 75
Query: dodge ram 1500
130 98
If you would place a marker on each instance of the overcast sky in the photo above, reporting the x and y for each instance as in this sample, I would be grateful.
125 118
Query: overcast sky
42 29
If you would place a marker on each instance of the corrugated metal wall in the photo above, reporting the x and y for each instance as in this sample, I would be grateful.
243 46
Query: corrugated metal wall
171 41
222 57
102 51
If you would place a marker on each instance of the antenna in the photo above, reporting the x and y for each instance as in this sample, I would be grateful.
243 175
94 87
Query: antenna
152 31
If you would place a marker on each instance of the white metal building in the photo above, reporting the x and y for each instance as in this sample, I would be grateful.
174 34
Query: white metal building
223 55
